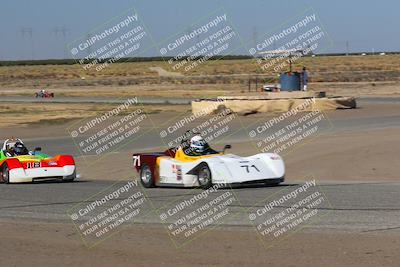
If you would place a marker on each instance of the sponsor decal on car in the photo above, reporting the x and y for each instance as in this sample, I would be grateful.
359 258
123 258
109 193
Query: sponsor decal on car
178 170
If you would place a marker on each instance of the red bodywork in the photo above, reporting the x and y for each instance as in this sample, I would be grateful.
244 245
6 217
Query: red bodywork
150 159
58 161
44 95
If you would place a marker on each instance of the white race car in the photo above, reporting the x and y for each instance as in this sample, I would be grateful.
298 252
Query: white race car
18 164
175 168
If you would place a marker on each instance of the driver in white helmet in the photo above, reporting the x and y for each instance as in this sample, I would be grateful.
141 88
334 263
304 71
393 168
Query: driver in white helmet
197 146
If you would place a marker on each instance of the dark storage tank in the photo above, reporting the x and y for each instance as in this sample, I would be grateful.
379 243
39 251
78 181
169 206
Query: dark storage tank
290 81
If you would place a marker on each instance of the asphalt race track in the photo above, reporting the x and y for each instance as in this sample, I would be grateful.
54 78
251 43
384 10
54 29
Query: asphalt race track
353 207
151 140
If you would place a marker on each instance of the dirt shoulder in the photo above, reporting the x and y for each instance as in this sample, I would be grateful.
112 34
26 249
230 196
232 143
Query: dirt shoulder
52 244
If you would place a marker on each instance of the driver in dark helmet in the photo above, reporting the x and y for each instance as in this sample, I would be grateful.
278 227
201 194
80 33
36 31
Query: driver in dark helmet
19 149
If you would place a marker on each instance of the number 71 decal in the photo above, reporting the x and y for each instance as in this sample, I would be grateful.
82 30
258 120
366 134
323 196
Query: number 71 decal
248 168
136 161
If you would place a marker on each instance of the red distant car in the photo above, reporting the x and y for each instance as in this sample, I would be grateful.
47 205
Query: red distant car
44 94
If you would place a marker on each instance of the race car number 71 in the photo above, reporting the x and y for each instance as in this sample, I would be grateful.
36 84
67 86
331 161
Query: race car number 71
248 168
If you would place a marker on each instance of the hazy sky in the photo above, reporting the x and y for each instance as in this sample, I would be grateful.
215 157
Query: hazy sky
40 28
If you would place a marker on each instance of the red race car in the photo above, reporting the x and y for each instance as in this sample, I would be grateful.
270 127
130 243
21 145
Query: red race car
44 94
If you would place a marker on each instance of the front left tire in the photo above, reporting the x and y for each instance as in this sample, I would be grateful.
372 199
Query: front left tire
5 174
146 176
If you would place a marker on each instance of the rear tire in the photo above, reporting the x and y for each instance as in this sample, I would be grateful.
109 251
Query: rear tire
204 176
276 183
273 184
70 178
5 174
146 176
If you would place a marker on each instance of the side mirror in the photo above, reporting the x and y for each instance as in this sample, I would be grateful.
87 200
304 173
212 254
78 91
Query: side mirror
37 149
226 147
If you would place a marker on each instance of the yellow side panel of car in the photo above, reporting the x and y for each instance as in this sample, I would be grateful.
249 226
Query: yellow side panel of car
181 156
27 158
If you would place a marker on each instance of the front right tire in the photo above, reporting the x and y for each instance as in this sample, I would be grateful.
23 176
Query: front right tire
204 176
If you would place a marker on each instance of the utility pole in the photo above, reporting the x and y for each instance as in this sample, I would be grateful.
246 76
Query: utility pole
255 36
29 32
310 52
347 48
63 31
88 36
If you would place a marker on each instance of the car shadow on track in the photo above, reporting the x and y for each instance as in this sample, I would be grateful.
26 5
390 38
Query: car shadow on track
232 186
247 186
48 182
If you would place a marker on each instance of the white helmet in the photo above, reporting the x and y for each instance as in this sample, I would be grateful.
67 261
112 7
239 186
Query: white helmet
197 144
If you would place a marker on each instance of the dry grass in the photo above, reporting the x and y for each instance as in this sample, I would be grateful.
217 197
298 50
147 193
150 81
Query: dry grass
59 113
332 64
222 77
